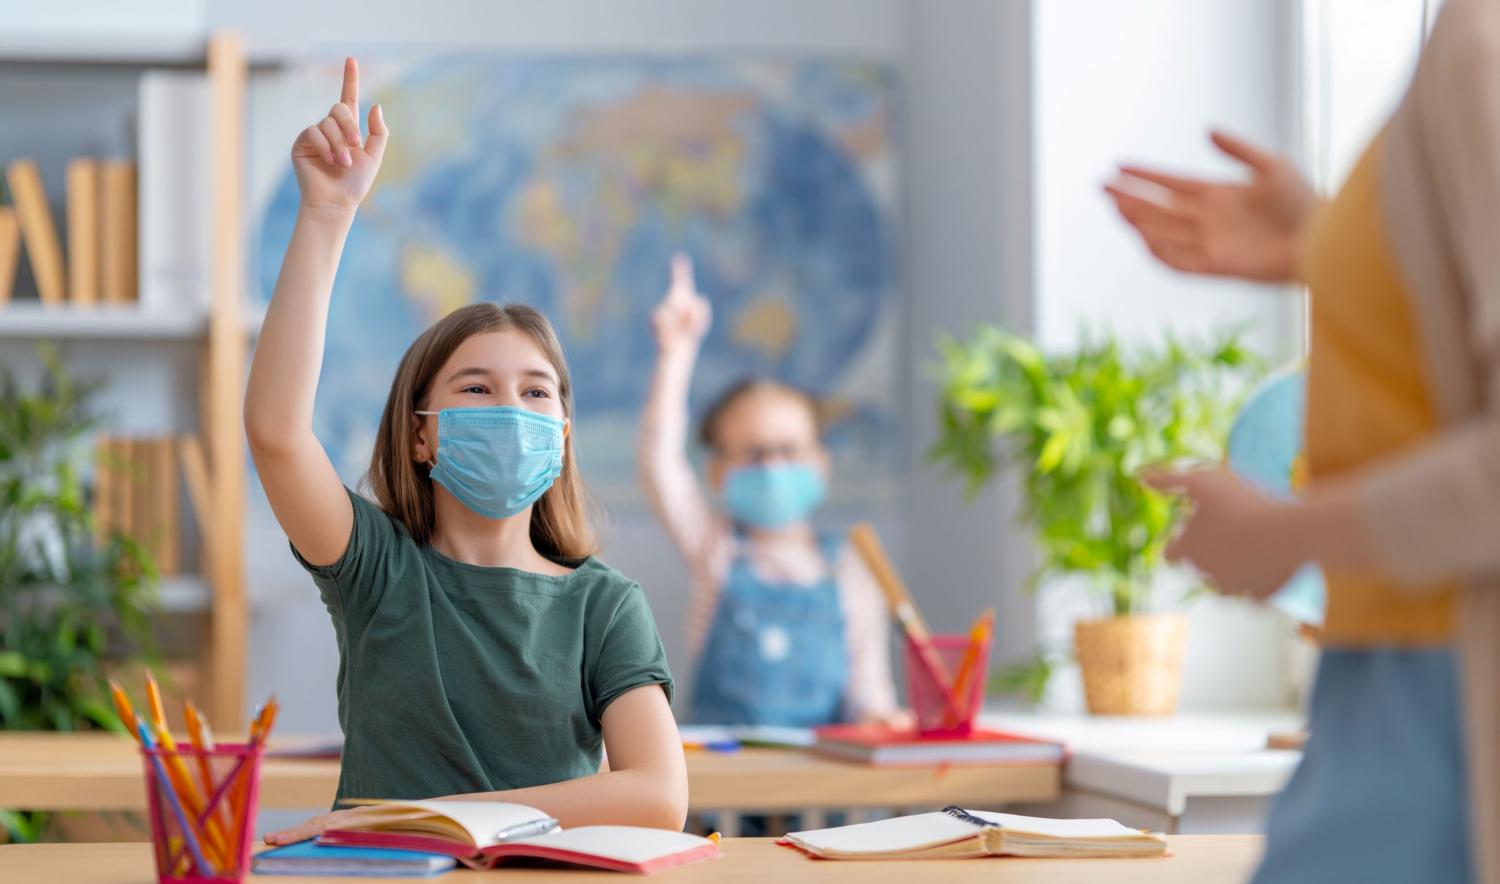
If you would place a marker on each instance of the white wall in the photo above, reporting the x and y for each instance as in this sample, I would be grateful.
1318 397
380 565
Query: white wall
1144 81
968 65
865 26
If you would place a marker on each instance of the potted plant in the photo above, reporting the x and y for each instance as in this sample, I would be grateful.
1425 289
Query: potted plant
70 602
1080 427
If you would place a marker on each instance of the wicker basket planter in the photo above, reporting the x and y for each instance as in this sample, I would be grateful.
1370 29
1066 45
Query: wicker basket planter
1132 665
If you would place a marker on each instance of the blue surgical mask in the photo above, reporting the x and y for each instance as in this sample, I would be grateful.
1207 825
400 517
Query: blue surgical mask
773 495
497 460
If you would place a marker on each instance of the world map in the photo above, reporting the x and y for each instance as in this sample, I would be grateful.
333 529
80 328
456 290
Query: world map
567 184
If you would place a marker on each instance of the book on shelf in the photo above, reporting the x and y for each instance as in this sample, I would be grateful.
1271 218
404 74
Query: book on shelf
174 144
118 278
10 251
82 185
38 230
136 493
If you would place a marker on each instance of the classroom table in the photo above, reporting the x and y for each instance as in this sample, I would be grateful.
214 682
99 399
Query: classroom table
99 771
1194 859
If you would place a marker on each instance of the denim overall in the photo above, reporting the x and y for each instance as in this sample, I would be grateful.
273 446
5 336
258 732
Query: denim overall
776 652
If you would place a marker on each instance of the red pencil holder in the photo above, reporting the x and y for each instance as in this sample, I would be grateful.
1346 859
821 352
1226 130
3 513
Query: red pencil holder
944 708
202 811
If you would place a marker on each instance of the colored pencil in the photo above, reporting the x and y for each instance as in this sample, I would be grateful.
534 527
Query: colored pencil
124 710
184 823
203 742
260 732
979 635
867 543
182 777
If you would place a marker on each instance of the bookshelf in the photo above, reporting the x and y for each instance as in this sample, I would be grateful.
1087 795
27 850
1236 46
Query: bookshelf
220 332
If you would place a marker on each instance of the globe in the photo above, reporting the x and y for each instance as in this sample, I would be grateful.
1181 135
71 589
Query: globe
1265 448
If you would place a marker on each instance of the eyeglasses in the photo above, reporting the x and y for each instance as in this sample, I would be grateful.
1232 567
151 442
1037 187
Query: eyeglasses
760 454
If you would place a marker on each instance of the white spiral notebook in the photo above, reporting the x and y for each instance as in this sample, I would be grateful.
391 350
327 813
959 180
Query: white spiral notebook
956 833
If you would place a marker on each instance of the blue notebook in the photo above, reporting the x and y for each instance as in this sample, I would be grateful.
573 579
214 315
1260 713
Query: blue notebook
312 858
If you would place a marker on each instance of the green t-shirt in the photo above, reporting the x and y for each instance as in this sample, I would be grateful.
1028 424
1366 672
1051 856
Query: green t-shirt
460 678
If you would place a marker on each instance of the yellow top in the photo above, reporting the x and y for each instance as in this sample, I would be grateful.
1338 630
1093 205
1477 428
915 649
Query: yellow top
1366 398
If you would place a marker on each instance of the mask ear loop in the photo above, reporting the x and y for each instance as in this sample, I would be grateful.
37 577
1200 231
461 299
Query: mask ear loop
433 464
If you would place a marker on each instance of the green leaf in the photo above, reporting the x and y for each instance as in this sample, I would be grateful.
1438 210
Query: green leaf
1078 428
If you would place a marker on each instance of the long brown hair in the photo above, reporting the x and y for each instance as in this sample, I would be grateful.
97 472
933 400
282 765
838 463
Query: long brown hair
562 523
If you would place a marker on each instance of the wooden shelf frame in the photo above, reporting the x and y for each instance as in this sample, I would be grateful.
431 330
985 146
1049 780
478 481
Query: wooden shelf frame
223 391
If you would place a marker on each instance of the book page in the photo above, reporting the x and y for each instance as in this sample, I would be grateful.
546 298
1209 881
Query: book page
888 836
628 844
481 820
1071 829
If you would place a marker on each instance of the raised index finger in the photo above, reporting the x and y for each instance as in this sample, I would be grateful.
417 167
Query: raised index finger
350 95
682 275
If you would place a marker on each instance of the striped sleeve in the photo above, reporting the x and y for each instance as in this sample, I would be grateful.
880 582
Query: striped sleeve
871 692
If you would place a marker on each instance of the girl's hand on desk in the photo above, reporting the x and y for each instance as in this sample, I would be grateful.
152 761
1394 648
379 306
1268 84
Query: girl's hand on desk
335 167
316 826
1242 540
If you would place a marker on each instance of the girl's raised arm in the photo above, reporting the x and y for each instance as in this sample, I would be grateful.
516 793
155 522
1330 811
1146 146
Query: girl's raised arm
679 322
334 169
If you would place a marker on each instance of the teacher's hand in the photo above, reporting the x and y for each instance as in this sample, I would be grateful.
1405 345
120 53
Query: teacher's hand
1248 230
1240 539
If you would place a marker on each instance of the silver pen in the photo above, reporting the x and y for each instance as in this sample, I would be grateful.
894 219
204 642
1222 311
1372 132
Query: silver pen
526 830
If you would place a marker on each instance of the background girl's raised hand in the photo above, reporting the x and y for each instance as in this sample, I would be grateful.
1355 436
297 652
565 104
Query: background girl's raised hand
334 166
1250 230
682 318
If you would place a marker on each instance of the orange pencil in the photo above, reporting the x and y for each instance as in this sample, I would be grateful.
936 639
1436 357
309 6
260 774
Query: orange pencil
153 703
203 741
195 737
178 773
979 633
124 710
260 731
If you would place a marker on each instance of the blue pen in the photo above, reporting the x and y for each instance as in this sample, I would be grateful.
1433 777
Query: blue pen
166 788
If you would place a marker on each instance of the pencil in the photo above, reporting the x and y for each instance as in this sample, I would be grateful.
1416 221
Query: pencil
867 543
182 777
203 743
260 732
153 702
124 710
979 633
184 823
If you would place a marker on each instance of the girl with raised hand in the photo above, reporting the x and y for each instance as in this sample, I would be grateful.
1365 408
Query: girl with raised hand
787 625
483 651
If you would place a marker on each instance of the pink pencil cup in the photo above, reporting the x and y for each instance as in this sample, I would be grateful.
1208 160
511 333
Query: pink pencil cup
941 713
224 824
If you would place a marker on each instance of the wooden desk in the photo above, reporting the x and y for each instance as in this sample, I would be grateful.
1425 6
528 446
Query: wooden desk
1221 859
103 772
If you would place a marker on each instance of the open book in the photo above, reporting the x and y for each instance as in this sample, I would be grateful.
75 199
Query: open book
480 834
960 834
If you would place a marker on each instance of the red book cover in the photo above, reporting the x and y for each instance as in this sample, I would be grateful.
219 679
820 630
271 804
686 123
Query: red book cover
877 744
